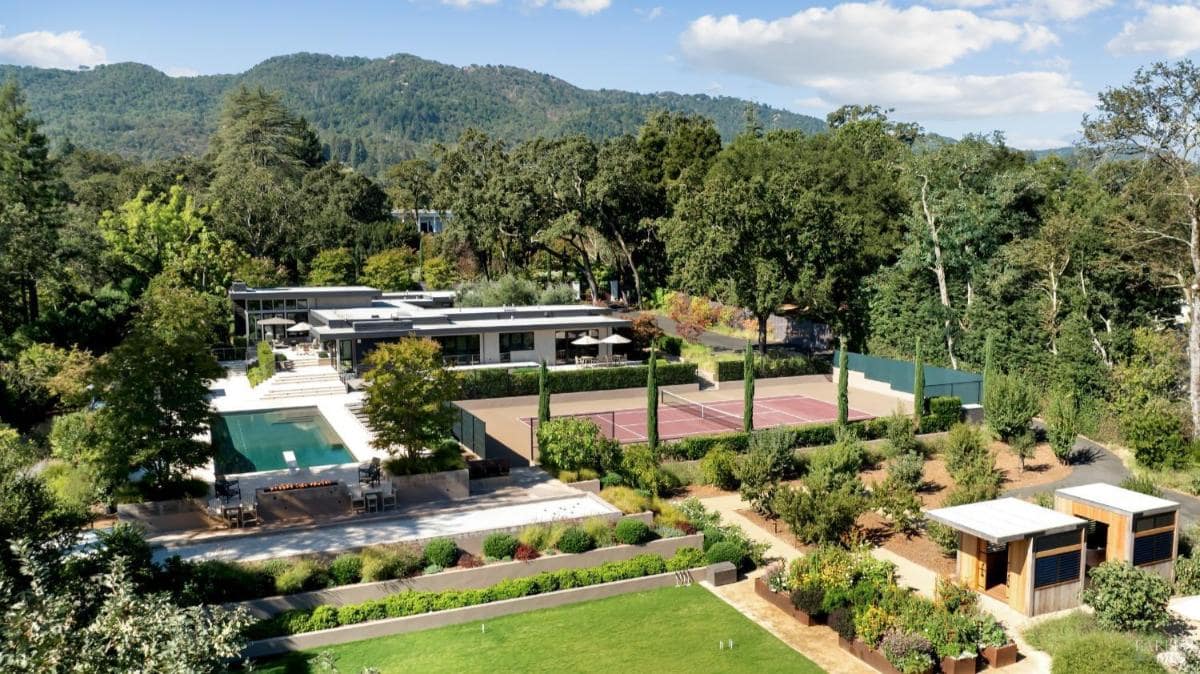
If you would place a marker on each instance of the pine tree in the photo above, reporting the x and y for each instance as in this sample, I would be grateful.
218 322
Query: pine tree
652 402
32 198
748 389
843 390
543 394
918 386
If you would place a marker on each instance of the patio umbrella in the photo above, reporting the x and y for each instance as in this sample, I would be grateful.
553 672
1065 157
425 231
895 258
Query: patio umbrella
300 327
586 340
277 321
615 339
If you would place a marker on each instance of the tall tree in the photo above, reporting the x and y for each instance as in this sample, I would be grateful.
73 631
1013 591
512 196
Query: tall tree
918 386
1155 119
32 204
843 387
543 393
408 397
748 389
410 186
652 402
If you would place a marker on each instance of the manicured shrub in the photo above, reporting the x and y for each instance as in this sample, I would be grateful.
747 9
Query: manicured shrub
390 563
944 412
322 618
962 448
499 546
809 598
301 575
574 443
719 468
1063 424
632 532
641 467
346 569
1101 652
841 620
685 558
1156 434
575 540
1128 598
499 383
901 435
441 551
838 464
725 551
771 366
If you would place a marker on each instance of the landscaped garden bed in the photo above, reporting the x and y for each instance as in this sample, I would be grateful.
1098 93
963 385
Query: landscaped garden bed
411 603
886 626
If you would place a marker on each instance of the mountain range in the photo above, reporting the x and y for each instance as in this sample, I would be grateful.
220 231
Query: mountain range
369 113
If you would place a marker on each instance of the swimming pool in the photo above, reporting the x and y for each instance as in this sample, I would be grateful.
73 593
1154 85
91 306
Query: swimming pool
249 442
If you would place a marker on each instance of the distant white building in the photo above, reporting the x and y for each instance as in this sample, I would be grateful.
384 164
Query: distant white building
428 221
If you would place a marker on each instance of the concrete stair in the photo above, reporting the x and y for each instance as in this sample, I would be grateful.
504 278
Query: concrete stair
304 383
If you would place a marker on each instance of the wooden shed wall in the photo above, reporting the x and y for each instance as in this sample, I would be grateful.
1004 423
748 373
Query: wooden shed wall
1120 527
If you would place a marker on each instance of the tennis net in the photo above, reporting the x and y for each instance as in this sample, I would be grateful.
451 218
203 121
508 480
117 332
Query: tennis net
675 401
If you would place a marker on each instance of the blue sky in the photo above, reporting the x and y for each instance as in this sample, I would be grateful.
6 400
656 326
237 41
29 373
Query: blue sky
1030 68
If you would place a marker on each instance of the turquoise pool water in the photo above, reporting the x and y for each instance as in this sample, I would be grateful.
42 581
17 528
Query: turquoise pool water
247 442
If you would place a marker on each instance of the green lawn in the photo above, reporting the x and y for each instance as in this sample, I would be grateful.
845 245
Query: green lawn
673 629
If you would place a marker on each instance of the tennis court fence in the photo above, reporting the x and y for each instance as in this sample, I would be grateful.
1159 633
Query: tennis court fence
606 421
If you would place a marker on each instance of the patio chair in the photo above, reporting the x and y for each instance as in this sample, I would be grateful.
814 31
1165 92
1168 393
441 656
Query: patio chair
389 500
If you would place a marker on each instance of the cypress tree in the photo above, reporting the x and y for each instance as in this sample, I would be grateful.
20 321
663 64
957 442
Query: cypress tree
543 394
843 390
918 386
748 389
988 347
652 402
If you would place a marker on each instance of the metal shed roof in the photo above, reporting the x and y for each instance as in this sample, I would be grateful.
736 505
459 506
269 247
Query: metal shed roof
1004 520
1112 497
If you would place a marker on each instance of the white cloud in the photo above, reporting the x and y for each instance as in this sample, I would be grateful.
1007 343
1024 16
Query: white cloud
51 50
649 14
1037 142
467 4
946 96
1056 10
180 71
1173 30
848 39
581 7
1038 38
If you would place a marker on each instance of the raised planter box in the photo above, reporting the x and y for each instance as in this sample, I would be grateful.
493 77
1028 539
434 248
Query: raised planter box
784 603
1000 656
464 579
961 665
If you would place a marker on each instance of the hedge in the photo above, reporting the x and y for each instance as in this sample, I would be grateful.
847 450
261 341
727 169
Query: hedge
411 603
501 383
811 435
944 412
766 368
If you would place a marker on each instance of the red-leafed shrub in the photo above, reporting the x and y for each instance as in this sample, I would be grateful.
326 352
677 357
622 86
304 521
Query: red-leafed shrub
468 561
526 552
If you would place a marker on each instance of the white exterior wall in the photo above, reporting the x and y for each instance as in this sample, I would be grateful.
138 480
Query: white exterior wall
490 345
543 345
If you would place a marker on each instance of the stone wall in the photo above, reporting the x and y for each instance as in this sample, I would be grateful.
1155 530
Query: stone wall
446 485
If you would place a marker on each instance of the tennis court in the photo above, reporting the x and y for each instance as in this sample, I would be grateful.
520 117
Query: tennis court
680 417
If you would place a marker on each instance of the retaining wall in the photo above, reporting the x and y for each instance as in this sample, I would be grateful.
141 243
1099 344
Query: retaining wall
449 484
464 579
424 621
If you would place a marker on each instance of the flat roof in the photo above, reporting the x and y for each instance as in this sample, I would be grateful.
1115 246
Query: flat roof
1112 497
1004 520
300 291
376 328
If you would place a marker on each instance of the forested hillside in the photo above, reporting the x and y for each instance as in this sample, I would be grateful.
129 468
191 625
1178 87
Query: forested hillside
369 113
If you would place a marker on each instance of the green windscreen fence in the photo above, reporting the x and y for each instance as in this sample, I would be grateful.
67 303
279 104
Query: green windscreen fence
939 381
470 430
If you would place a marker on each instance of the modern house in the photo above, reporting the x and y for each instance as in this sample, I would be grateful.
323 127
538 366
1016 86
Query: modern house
428 221
1025 555
350 321
1125 525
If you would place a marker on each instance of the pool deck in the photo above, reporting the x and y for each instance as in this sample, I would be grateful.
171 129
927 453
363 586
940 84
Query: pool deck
233 393
476 514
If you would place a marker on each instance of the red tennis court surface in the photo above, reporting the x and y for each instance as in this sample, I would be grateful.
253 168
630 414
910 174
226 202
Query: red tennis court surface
682 420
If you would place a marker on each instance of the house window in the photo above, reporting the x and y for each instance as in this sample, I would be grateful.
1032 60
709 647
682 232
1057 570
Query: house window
459 349
1053 541
1055 569
515 341
1153 548
1159 521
